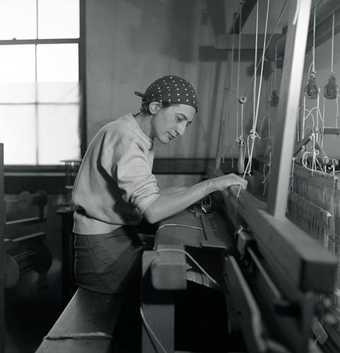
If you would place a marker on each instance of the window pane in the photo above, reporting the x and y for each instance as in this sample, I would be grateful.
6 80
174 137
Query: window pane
58 92
17 19
17 63
17 132
58 19
17 92
57 62
58 133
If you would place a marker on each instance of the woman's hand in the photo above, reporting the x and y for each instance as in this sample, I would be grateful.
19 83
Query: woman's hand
225 181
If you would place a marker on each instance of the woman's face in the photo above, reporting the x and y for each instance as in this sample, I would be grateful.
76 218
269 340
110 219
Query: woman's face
170 122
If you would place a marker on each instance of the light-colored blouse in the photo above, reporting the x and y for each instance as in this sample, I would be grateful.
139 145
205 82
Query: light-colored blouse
115 184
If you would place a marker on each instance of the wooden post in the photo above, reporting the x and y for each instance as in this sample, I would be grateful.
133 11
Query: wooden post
2 253
288 107
159 312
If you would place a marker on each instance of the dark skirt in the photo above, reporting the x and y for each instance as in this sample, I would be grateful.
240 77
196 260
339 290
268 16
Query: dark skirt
105 263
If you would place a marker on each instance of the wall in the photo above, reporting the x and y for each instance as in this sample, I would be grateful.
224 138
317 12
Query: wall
129 43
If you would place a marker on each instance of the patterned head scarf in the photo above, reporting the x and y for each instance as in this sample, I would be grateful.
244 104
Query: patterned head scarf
170 89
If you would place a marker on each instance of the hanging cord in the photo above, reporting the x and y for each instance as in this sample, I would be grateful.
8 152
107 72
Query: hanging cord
337 112
242 101
253 133
255 58
322 135
331 88
275 68
232 79
266 174
303 118
314 30
238 73
241 156
283 9
231 84
221 133
275 96
311 87
332 57
317 115
278 21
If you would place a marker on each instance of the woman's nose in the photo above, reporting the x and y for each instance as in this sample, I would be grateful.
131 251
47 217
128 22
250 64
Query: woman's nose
181 128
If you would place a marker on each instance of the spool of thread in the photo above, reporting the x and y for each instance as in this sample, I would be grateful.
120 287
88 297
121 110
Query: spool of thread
331 88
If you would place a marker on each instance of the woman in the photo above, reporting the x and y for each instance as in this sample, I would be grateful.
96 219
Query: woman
115 188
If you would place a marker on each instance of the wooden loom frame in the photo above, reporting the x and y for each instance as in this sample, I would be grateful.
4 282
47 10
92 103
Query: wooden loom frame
291 267
293 257
2 253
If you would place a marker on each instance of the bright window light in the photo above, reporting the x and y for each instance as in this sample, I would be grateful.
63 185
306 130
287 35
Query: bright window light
57 62
58 19
17 19
17 133
17 63
58 133
39 81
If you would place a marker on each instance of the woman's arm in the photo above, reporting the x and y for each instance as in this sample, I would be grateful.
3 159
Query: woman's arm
171 203
173 189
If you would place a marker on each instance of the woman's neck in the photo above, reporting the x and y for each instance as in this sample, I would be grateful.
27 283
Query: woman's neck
144 121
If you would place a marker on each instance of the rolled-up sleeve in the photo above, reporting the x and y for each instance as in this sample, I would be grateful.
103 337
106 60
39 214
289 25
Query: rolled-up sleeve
134 177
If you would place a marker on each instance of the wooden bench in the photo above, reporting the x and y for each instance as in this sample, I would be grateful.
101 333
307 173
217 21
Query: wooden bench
86 325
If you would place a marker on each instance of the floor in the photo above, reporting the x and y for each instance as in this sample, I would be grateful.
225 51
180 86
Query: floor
31 311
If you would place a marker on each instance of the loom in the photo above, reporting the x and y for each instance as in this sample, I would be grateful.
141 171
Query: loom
278 277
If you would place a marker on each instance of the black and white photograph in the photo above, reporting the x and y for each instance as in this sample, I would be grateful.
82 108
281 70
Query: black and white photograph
169 176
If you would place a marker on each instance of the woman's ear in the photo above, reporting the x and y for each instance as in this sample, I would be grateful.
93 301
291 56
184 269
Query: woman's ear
155 107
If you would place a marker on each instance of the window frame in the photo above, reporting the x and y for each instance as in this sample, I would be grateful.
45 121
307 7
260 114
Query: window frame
23 169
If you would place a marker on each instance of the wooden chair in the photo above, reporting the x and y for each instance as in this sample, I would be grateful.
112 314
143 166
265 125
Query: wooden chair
25 231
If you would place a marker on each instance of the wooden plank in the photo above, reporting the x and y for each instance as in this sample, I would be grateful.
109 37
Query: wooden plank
245 307
239 22
288 107
225 41
331 131
90 316
210 53
295 260
323 30
25 221
158 309
2 254
292 329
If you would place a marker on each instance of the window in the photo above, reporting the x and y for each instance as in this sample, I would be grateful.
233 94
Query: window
39 81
